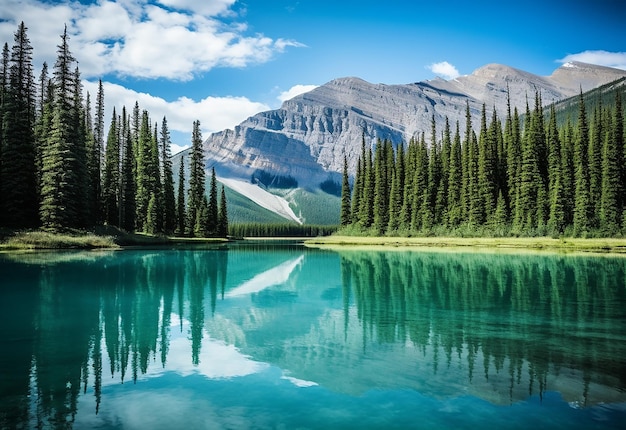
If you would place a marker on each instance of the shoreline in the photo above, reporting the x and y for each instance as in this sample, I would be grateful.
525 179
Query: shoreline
500 244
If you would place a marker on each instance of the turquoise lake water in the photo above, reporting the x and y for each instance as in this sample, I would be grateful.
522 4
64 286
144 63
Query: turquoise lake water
286 337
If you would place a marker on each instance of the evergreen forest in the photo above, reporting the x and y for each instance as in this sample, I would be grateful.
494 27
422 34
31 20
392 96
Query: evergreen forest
526 177
59 172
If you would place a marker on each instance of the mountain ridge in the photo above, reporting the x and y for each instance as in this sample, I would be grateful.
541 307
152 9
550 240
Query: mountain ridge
304 142
308 136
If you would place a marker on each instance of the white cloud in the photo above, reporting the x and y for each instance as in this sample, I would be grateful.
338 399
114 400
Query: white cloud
444 69
294 91
214 113
599 57
172 39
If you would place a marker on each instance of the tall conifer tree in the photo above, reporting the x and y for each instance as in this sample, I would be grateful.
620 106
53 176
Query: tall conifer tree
582 204
18 181
345 217
612 187
169 200
180 199
222 222
196 179
111 174
212 207
61 185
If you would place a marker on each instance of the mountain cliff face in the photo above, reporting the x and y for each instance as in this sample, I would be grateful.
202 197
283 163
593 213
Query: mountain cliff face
308 137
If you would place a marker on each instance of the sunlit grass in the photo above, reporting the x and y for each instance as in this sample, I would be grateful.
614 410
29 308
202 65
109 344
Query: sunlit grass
45 240
511 243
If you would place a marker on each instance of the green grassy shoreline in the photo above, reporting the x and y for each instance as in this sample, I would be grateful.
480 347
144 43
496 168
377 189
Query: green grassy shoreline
105 240
613 246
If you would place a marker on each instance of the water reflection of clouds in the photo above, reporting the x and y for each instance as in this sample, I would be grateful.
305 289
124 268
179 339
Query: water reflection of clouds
217 360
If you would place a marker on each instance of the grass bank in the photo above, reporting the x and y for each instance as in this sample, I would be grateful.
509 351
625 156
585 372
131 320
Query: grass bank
34 240
617 246
101 238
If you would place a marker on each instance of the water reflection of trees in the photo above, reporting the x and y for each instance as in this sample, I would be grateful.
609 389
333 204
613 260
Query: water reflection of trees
121 304
540 313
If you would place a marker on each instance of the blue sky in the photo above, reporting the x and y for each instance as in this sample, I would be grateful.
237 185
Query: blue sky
221 61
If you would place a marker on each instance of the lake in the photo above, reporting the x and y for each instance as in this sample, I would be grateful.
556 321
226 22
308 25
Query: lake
282 336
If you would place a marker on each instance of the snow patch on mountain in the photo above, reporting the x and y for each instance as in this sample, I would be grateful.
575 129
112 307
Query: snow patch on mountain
262 198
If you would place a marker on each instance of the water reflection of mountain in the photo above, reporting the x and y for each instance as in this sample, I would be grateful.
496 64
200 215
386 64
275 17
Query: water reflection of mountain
501 327
498 327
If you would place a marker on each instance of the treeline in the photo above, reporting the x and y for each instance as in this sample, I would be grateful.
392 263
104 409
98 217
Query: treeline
241 230
528 177
57 172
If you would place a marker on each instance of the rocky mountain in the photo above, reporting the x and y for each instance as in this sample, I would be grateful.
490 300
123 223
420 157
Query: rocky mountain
304 142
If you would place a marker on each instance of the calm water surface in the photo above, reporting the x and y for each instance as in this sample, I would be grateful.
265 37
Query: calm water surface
288 337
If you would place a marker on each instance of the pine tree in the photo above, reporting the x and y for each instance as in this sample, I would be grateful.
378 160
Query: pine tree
156 185
212 207
357 192
180 199
409 165
420 184
455 172
430 216
96 156
488 166
582 204
196 179
4 84
567 171
396 192
148 177
441 205
202 218
345 216
556 219
78 137
111 174
612 186
366 210
222 222
381 189
19 173
530 177
61 187
466 191
596 143
169 200
514 162
128 185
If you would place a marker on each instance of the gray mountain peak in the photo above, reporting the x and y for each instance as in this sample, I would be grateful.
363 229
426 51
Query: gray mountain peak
308 137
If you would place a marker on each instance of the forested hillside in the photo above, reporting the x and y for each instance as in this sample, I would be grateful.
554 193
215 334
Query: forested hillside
527 177
57 172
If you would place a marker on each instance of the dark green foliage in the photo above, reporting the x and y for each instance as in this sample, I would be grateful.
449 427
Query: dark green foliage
111 174
180 200
270 180
330 186
222 219
129 188
169 200
455 172
582 204
241 230
345 215
63 176
18 172
196 180
611 205
498 183
212 219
